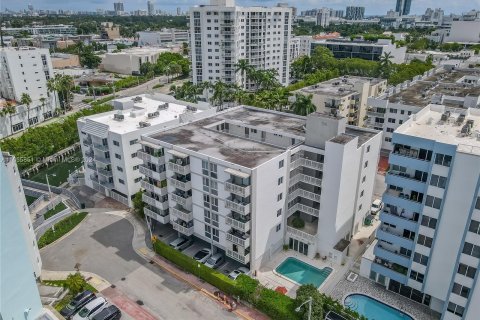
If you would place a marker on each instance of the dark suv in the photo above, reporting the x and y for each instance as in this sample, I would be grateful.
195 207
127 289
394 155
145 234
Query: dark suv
77 303
109 313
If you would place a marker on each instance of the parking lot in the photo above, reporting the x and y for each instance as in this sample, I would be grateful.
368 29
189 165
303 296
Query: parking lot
166 234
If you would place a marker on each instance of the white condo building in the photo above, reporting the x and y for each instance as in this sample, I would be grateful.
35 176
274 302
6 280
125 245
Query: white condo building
240 178
428 244
25 70
111 141
20 262
221 34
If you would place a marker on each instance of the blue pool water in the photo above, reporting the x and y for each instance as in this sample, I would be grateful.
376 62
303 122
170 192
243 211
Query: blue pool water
303 273
373 309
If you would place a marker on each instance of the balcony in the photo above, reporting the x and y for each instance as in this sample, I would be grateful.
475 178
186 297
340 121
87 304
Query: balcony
182 184
87 141
305 209
94 178
407 181
145 184
239 222
241 190
184 229
184 200
304 194
406 200
102 159
400 219
386 234
155 158
392 256
101 147
179 168
300 177
237 206
89 153
105 172
390 270
154 202
181 213
159 176
91 165
159 215
307 233
244 259
302 162
239 238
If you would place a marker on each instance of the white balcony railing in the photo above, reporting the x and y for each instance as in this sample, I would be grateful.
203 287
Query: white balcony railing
305 209
183 214
164 219
236 239
301 234
240 190
181 200
153 202
152 174
304 194
188 231
243 208
146 157
237 256
243 226
185 186
304 178
178 168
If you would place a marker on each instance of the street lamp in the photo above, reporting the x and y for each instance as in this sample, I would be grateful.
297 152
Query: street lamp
48 183
309 301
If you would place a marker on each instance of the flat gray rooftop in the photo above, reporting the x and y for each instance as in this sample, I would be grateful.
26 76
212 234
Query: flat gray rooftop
339 87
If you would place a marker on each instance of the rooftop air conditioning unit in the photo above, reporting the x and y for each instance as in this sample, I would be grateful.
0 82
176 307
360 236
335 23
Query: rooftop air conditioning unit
144 124
118 117
153 114
137 99
163 106
191 108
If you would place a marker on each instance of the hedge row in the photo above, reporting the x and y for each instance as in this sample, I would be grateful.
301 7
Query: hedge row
272 303
61 228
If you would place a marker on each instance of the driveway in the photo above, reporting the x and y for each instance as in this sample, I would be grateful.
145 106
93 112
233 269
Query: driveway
103 245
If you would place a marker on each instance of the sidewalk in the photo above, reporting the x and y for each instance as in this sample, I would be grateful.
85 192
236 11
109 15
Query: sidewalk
93 279
141 247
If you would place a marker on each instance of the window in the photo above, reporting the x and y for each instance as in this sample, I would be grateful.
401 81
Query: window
364 178
474 227
361 193
471 250
359 207
460 290
417 276
118 156
368 149
17 127
433 202
138 179
121 181
215 235
477 204
133 141
280 180
134 155
391 120
366 164
215 219
429 222
438 181
393 110
424 241
278 227
208 231
279 196
279 212
280 164
116 143
467 271
206 215
120 169
135 167
443 160
390 130
420 258
456 309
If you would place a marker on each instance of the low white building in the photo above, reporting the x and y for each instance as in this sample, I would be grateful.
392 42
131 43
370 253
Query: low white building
164 36
110 141
300 46
129 61
319 173
25 70
464 32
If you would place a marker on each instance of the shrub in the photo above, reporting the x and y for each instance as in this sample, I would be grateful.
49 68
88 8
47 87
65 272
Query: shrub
298 223
61 228
276 305
75 282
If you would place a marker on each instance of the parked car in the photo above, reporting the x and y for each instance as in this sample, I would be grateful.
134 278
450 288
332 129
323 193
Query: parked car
377 205
203 255
235 273
91 309
181 243
109 313
215 261
77 303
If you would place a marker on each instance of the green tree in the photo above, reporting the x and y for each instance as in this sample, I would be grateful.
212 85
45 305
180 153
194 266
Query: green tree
306 292
244 68
385 65
146 67
26 100
42 102
75 282
138 204
303 105
322 58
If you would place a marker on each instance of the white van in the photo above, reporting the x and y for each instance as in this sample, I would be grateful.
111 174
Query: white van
377 205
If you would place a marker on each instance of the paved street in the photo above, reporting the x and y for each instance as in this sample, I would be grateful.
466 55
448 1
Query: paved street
103 245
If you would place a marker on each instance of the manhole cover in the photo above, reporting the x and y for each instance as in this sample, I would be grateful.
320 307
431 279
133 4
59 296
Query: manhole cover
123 279
140 302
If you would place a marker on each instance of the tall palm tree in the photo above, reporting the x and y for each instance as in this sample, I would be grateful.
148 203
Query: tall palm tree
66 84
385 64
219 93
42 101
9 110
26 100
52 86
245 68
303 105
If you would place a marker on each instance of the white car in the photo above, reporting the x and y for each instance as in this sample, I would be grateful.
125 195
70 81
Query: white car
91 309
377 205
235 273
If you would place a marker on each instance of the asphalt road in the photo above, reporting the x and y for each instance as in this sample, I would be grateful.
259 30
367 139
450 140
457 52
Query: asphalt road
102 245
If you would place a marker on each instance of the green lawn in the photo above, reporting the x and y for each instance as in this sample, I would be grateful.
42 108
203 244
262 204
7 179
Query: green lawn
30 199
58 173
59 207
66 300
61 228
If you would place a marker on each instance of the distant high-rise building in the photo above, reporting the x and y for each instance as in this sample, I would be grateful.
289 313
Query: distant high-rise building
118 7
179 12
403 7
30 7
150 8
355 13
336 13
323 17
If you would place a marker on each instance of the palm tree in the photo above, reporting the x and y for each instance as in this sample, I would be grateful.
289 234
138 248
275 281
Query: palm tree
385 64
26 100
10 110
303 105
52 86
42 101
66 83
219 92
245 68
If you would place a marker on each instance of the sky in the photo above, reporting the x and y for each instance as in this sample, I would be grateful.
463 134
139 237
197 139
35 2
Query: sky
372 7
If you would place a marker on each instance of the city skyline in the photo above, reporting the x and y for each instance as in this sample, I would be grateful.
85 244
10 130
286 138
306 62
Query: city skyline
372 7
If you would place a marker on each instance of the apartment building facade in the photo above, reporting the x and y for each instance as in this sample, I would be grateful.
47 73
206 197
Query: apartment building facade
300 46
345 96
164 36
221 34
110 141
428 244
20 262
217 171
25 70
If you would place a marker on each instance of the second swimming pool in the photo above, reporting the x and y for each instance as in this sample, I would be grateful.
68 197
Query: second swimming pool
303 273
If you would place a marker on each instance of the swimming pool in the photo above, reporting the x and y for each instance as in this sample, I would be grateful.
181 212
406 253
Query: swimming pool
303 273
373 309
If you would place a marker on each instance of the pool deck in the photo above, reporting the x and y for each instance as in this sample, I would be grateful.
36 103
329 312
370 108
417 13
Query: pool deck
374 290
